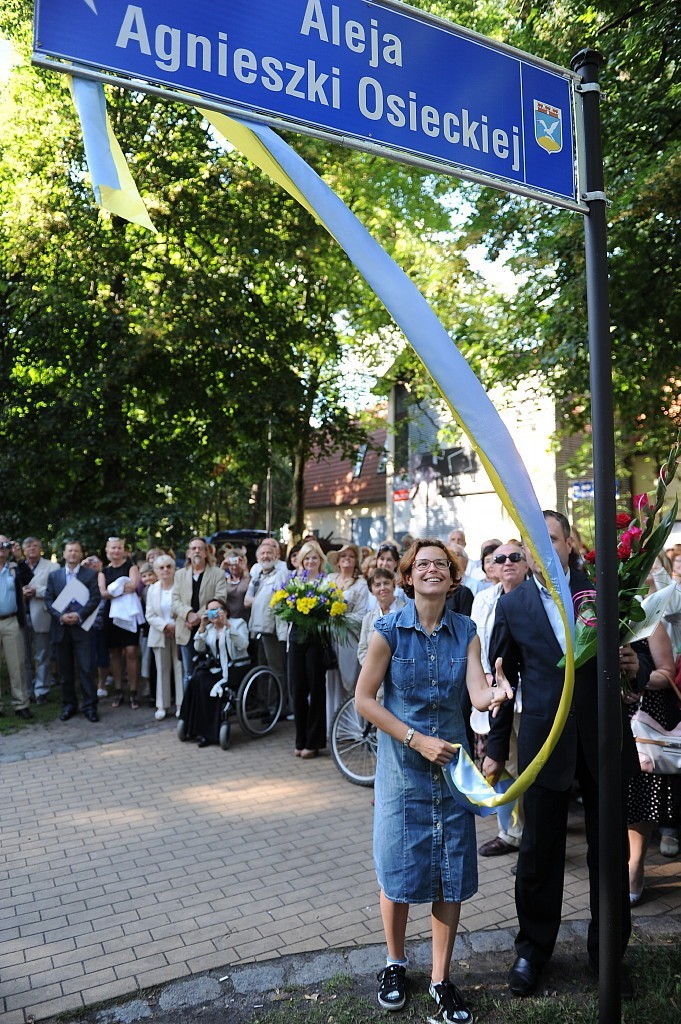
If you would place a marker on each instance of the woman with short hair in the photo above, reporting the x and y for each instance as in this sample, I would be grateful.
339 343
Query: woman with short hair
162 639
424 841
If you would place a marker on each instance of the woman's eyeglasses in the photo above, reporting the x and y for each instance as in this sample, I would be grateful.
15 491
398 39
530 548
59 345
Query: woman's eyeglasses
421 564
515 556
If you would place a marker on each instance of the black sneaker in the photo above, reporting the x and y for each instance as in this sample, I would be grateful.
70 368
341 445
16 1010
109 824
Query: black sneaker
391 993
451 1005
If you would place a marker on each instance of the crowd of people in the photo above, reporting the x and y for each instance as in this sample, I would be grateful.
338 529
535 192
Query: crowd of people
441 649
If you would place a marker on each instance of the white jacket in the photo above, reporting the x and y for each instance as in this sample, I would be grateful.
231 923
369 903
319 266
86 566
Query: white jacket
228 646
157 622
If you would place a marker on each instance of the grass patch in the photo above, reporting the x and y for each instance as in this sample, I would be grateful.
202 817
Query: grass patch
9 723
569 997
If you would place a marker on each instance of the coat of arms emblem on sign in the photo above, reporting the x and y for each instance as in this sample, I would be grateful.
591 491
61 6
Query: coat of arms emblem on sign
548 126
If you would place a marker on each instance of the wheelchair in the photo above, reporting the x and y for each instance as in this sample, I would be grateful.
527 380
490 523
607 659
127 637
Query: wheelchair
254 694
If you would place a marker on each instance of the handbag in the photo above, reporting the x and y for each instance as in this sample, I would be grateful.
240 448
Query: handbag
329 655
659 750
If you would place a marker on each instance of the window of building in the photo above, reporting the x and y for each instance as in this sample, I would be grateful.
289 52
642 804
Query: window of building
359 461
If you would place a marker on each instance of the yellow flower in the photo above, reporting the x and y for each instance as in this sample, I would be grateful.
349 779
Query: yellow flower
338 608
277 596
305 604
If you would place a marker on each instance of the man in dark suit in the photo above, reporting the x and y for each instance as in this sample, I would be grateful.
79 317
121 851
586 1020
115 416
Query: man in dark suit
528 637
73 642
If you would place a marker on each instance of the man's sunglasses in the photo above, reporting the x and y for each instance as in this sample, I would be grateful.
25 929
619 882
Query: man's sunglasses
515 556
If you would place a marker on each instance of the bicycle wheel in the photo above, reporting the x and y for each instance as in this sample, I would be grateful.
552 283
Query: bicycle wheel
353 745
259 701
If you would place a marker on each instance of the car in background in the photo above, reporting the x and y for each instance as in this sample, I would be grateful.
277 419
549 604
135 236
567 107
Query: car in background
248 539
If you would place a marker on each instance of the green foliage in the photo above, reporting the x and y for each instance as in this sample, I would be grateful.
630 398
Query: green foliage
546 319
143 373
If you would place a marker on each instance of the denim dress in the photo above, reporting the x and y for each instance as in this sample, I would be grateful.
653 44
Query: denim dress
424 842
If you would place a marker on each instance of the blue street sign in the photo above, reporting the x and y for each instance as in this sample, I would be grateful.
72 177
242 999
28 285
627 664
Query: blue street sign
374 75
585 490
582 490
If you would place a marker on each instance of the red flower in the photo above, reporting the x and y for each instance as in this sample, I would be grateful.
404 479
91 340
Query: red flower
590 557
624 547
634 532
623 519
640 501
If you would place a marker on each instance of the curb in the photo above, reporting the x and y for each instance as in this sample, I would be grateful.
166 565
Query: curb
251 986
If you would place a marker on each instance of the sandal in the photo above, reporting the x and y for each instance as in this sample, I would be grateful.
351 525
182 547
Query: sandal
117 699
134 703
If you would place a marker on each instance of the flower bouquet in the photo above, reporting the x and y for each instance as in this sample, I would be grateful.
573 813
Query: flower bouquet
315 606
640 538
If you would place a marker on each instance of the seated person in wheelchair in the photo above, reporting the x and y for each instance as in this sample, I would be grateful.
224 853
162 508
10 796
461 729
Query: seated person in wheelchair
221 645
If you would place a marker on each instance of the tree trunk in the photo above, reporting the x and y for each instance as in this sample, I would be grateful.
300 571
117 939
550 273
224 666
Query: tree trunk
297 523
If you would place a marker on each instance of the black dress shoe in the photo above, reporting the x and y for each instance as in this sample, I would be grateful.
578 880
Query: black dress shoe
67 713
203 742
42 699
496 847
24 713
91 715
523 977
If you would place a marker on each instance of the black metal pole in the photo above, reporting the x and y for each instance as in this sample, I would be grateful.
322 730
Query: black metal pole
587 63
268 484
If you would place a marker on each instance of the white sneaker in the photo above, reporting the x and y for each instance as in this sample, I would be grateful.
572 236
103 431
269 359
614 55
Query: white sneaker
160 715
102 693
177 711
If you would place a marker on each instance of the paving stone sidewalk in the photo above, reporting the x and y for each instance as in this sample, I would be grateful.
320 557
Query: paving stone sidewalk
130 860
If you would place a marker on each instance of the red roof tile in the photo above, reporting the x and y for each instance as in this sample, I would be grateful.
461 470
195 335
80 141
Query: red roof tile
329 482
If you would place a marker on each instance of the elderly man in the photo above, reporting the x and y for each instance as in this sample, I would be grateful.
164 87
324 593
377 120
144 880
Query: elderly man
33 571
195 585
528 639
511 566
11 623
267 575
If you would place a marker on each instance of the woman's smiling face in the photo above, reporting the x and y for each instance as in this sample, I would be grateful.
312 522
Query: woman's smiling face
312 562
430 572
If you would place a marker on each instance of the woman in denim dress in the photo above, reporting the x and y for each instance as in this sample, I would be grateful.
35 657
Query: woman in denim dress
424 842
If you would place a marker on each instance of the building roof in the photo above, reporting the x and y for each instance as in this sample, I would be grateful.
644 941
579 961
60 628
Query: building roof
332 482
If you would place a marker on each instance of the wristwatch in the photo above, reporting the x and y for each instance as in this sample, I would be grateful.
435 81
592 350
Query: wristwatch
408 738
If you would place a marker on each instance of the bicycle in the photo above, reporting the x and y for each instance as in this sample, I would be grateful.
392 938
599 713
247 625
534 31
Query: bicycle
354 744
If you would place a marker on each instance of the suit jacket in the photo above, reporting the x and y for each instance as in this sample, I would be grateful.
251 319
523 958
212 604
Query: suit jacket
56 582
213 584
37 613
524 639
